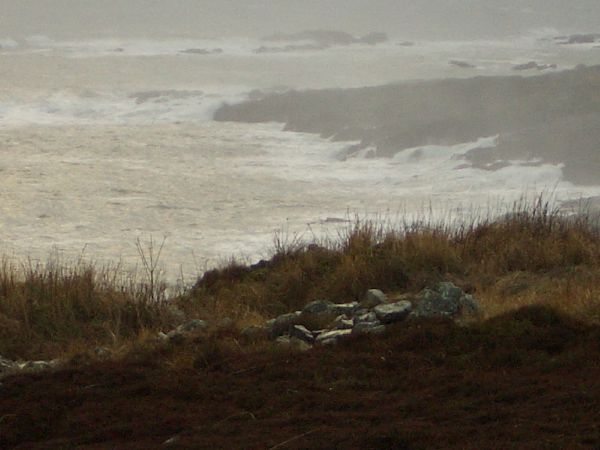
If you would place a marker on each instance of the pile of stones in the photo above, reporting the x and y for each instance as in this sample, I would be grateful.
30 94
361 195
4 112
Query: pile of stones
372 315
320 322
9 366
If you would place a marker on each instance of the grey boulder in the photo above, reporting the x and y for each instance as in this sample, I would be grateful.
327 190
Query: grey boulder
446 300
393 312
373 297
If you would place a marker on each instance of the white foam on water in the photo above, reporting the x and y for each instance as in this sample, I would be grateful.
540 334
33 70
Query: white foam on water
219 189
140 107
143 47
8 44
99 147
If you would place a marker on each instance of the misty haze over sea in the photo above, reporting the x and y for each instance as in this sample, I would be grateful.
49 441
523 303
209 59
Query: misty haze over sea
218 123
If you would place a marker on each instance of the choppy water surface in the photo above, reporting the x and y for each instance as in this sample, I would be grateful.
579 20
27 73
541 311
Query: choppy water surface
102 142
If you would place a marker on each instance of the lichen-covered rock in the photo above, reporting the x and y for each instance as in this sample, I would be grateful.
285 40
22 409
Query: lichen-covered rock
373 297
446 300
393 312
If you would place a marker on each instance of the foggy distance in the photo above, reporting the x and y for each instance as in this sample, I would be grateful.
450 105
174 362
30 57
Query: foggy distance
438 19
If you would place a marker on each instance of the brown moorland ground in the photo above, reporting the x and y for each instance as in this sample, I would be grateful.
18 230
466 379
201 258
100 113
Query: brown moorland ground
528 379
526 375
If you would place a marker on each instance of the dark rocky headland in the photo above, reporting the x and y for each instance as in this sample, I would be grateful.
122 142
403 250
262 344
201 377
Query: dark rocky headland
552 117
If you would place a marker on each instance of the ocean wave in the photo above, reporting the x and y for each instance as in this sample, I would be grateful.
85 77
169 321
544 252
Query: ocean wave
139 107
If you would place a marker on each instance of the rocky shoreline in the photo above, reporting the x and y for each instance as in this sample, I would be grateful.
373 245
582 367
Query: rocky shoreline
532 120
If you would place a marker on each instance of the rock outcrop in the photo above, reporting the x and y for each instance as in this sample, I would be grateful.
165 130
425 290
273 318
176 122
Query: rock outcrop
202 51
461 64
531 121
303 329
589 38
371 316
533 65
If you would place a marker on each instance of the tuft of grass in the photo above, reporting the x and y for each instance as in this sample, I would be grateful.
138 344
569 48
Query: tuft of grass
49 310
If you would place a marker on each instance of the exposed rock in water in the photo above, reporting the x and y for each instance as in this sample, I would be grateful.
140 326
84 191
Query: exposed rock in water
589 38
321 37
289 48
163 95
531 65
202 51
462 64
374 38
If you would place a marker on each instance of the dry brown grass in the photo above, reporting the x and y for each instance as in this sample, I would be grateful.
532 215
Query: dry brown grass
55 309
524 380
532 256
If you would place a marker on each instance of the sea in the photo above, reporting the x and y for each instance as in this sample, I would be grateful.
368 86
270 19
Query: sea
108 144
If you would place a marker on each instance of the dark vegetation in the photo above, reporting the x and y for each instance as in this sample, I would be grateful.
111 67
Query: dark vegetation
524 376
552 117
527 379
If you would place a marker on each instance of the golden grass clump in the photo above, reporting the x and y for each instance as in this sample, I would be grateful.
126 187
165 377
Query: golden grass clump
47 310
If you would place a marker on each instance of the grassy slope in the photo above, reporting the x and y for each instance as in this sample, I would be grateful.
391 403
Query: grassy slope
523 377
